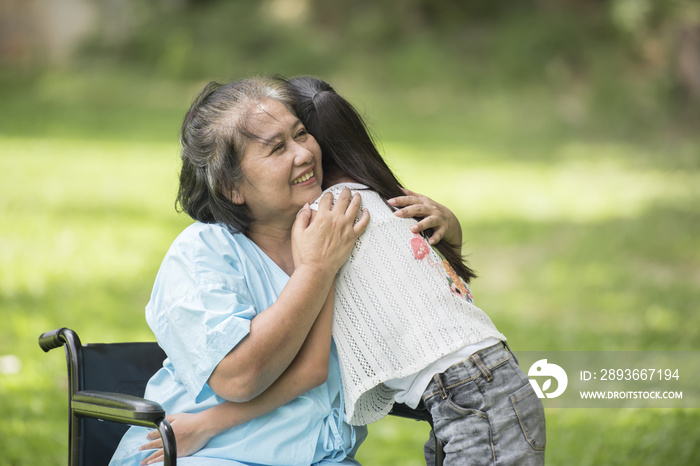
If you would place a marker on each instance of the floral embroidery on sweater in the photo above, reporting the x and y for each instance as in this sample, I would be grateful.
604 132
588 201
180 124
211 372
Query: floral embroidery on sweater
420 247
421 250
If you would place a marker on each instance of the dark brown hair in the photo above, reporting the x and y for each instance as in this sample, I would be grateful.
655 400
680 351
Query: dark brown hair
348 149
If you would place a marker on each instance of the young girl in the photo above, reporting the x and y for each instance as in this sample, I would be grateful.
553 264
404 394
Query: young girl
405 324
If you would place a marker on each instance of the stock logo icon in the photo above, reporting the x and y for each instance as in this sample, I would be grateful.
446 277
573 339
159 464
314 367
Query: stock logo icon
542 368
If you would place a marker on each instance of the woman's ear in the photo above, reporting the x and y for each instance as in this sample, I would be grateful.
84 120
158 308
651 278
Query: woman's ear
237 196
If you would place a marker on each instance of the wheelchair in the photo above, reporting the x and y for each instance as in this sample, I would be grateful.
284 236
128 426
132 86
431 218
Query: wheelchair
107 382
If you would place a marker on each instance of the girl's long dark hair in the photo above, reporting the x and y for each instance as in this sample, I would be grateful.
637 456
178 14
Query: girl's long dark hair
348 149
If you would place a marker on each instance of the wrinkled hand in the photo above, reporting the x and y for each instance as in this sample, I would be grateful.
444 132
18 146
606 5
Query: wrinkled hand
326 241
189 437
435 216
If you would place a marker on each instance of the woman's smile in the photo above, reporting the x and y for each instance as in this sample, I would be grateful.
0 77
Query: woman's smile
282 166
304 178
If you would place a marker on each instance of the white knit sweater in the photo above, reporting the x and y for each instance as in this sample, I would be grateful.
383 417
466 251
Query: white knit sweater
398 308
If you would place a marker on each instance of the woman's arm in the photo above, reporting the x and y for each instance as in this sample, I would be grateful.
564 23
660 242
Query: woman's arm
444 223
308 370
277 334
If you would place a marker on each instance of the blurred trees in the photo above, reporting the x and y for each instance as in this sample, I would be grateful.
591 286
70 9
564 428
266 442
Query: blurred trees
666 35
411 40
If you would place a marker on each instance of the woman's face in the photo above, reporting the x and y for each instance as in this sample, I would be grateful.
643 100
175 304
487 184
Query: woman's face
282 168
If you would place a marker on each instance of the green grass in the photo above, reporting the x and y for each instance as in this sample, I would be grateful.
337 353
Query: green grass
584 235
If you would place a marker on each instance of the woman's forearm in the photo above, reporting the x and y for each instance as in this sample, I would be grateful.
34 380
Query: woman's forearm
308 370
276 336
319 248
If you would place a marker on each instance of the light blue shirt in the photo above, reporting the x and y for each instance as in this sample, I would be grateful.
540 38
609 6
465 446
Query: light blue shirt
209 287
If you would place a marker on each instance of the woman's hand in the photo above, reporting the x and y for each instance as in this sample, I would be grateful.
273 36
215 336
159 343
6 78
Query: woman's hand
190 436
443 222
326 241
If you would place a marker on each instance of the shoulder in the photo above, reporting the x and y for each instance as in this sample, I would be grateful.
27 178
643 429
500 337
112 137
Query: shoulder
205 247
205 236
370 198
353 187
203 264
198 232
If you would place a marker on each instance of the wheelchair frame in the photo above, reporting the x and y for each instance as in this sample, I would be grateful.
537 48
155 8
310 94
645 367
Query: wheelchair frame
134 410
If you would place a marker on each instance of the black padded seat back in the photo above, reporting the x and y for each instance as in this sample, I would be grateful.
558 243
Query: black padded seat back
114 367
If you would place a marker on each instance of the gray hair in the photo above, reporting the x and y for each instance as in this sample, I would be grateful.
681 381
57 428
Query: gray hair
213 138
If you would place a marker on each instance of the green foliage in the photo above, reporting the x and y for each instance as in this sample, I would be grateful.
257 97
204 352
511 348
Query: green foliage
575 174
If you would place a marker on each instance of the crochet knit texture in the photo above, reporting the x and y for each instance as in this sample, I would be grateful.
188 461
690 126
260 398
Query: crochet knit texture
397 310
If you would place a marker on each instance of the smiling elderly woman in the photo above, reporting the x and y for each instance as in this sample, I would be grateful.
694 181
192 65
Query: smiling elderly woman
242 304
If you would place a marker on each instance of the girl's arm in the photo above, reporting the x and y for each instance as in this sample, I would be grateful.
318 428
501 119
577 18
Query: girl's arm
436 216
308 370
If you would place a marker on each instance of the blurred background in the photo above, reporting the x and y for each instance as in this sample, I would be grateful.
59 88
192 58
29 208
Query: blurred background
563 133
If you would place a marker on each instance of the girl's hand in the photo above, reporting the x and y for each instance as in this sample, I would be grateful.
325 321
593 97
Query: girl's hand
443 222
190 437
326 241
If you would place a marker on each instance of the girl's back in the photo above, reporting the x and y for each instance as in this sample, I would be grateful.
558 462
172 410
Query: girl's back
399 307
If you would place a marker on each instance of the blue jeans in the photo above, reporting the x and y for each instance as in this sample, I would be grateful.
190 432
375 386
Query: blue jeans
485 412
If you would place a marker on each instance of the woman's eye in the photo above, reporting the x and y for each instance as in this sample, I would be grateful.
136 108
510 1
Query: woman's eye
302 132
277 148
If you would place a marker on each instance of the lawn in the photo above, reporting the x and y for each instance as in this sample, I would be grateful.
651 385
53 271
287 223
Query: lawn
584 237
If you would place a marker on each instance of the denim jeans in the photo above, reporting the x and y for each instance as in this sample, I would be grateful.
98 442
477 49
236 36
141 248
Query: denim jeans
485 412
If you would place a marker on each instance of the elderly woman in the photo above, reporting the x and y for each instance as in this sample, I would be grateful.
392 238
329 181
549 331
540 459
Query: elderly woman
242 304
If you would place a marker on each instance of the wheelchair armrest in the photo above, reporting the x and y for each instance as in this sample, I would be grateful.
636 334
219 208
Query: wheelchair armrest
117 407
127 409
401 410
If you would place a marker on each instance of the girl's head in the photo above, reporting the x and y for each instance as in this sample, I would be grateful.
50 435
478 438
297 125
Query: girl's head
349 151
224 122
347 146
